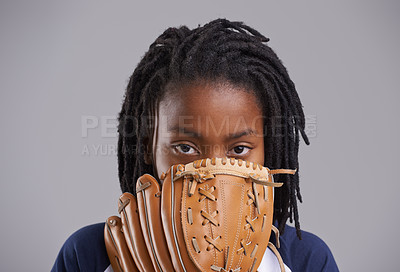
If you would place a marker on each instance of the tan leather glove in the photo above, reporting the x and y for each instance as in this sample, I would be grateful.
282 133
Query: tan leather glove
211 215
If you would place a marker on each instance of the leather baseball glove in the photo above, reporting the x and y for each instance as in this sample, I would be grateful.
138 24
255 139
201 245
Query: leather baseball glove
211 215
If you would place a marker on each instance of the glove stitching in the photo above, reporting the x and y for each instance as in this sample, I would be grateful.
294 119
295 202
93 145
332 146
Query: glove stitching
195 245
209 196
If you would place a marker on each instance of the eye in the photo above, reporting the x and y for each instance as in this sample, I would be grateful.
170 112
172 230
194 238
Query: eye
185 149
239 150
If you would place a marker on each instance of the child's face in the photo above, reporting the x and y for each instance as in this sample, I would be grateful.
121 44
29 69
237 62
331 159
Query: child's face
205 121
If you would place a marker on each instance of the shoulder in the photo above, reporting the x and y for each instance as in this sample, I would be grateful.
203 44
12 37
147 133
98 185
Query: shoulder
308 254
84 250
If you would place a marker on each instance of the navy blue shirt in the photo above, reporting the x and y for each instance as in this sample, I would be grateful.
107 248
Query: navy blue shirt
308 254
85 251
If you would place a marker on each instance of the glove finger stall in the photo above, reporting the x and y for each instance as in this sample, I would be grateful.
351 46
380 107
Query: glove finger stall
149 204
117 249
127 207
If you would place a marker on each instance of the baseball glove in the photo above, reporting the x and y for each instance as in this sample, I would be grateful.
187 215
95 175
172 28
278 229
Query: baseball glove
211 215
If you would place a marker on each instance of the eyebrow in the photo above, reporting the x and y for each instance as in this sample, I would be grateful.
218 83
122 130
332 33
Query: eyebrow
190 133
245 132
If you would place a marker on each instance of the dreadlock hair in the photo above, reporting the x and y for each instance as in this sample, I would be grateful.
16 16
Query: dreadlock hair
218 51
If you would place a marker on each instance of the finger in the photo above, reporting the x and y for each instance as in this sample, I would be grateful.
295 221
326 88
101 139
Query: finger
117 249
127 208
149 204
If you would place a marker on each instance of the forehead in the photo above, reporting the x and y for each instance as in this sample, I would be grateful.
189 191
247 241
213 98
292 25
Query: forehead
204 105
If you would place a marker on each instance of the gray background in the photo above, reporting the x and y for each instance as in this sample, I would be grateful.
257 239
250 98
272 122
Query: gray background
64 60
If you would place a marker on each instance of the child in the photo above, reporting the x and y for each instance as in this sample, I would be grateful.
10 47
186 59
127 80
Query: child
214 91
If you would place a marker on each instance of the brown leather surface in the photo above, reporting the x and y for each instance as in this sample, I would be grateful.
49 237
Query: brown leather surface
231 206
211 215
